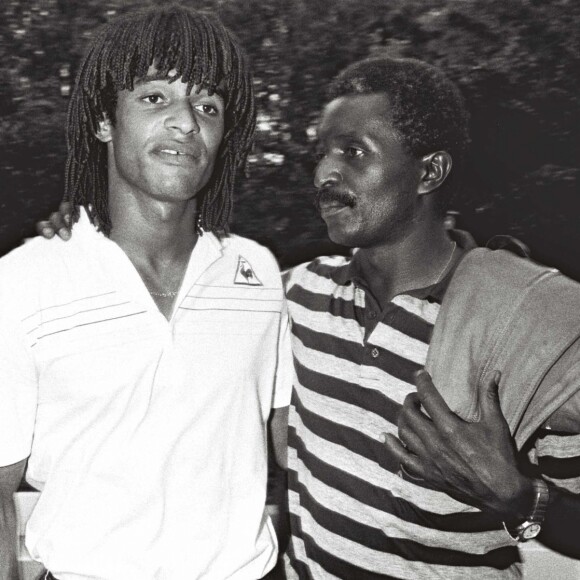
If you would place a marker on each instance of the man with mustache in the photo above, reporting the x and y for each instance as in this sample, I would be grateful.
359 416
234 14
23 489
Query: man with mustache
141 361
385 481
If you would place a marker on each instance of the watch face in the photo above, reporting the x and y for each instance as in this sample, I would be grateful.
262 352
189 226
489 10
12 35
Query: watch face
531 531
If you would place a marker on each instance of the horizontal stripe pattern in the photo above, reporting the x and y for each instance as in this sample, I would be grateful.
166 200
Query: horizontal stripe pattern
558 456
352 515
321 553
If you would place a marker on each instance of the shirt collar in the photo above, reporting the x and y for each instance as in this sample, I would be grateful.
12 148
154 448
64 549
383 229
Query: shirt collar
350 274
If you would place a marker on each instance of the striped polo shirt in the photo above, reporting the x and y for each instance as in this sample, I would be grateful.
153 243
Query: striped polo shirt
352 515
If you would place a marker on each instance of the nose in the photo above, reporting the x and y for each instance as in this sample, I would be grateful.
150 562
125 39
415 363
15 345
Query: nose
326 173
182 117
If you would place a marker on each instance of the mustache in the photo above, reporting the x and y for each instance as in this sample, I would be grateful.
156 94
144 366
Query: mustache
328 195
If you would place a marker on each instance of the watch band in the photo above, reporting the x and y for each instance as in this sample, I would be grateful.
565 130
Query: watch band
532 525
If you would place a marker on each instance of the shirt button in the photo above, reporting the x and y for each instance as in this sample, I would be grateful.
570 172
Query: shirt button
375 352
372 314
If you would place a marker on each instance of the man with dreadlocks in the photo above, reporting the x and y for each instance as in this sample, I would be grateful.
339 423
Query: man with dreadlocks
142 360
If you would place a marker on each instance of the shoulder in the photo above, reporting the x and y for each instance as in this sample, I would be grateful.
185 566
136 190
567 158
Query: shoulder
512 269
236 246
23 273
233 243
29 261
39 270
499 278
322 270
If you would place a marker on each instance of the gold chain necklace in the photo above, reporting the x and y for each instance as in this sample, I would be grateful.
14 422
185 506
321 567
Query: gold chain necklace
172 294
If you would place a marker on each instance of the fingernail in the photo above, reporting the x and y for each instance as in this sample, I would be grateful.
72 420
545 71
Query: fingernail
420 373
47 231
383 437
67 220
64 233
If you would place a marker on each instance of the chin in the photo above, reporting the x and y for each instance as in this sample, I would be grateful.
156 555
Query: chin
343 239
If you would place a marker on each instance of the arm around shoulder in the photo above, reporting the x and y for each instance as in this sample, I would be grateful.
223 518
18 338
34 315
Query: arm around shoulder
10 478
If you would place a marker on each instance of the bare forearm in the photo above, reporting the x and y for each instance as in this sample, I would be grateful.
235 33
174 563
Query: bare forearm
8 535
278 432
10 478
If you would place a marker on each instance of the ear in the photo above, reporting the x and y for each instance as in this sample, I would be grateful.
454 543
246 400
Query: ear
436 168
104 129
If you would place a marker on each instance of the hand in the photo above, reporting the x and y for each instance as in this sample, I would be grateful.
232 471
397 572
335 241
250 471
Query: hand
58 223
475 463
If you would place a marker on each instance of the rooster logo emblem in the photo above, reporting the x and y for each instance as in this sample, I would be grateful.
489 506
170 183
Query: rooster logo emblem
245 274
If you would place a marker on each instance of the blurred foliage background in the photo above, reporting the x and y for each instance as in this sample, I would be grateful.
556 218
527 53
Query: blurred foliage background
517 63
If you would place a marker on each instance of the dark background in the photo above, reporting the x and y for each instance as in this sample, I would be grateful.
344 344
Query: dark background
517 63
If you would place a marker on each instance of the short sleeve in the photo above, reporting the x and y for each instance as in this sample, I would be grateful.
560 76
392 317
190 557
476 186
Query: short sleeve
18 393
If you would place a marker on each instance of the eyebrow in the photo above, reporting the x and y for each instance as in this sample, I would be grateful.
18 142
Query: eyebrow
348 136
157 76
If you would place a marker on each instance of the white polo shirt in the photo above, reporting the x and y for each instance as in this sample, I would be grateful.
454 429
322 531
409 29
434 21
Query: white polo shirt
147 437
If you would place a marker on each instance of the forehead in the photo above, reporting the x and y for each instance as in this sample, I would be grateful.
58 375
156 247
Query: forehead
364 115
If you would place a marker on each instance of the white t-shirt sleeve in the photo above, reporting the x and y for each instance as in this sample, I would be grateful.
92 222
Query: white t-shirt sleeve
18 393
285 368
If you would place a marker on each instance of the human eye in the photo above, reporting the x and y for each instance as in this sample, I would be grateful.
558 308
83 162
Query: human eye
207 109
153 99
354 152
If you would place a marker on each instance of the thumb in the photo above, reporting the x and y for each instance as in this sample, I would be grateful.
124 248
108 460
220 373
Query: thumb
489 396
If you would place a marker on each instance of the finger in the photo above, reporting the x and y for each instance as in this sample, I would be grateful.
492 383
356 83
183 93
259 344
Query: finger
412 440
57 220
45 229
59 225
410 462
489 397
432 401
65 210
414 414
416 430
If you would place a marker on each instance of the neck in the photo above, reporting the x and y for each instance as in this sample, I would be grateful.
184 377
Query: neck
154 232
417 260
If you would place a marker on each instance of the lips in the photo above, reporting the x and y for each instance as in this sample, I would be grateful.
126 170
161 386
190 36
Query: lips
330 202
177 153
330 208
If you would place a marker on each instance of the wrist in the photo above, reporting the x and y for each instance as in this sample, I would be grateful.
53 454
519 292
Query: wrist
518 505
530 526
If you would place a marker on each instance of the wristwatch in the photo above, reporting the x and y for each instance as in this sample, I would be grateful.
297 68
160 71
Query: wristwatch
532 525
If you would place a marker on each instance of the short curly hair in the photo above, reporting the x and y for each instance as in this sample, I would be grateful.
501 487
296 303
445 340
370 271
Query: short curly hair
425 107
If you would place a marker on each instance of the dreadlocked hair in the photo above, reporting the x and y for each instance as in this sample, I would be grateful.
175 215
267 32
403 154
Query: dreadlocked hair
203 53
